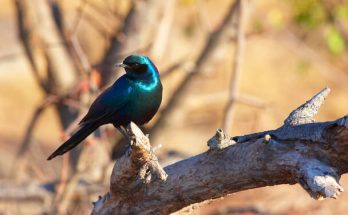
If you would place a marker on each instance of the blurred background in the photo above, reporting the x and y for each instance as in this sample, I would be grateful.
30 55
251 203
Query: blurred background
261 59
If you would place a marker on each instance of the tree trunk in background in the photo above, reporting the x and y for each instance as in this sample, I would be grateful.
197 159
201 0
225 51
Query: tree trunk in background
134 34
49 57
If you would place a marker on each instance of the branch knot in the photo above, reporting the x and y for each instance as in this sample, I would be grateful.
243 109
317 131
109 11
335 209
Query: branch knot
220 140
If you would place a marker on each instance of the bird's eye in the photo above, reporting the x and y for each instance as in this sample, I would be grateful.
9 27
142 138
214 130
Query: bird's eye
137 67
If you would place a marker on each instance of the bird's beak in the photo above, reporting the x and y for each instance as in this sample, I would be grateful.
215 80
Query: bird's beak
121 65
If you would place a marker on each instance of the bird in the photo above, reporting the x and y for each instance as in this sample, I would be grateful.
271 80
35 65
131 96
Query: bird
134 97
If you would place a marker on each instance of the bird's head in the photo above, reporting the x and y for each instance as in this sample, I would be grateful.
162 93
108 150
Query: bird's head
138 66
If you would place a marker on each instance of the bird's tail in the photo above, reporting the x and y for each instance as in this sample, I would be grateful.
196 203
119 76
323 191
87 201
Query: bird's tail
74 140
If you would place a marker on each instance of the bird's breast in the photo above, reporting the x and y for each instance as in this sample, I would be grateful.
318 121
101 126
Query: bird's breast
146 99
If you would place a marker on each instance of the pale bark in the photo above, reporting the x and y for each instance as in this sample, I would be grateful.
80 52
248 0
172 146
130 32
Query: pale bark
301 151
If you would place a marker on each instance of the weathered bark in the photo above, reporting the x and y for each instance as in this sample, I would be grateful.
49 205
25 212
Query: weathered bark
301 151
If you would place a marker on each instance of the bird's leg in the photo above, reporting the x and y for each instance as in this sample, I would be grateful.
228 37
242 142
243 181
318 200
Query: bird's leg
123 132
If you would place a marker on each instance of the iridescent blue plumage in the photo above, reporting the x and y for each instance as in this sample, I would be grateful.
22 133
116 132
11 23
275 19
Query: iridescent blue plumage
135 96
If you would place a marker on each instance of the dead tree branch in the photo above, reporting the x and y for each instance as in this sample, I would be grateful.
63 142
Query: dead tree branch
313 154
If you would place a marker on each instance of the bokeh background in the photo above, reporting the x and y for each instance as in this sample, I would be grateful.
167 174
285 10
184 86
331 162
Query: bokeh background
56 55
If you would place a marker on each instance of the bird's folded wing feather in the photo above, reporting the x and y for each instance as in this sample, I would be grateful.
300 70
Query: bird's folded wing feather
108 103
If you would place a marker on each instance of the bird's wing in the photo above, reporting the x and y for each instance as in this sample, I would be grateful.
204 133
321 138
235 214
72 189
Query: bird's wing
108 103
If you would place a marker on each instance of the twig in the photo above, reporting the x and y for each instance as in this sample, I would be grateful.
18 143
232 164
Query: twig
65 200
214 40
38 172
67 187
49 100
80 54
171 69
237 64
35 157
64 173
176 66
19 163
27 137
